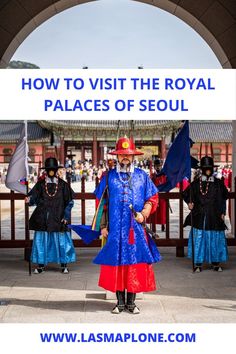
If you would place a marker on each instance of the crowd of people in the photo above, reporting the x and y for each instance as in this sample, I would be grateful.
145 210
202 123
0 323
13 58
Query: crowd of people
74 171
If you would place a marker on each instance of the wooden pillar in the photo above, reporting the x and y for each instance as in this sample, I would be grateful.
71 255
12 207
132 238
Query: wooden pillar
62 150
200 151
163 147
227 153
212 151
82 153
206 149
44 153
39 167
95 150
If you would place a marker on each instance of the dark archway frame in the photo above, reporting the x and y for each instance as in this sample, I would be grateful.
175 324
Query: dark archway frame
214 20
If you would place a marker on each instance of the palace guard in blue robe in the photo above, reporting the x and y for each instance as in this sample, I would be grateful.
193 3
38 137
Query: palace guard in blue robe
127 257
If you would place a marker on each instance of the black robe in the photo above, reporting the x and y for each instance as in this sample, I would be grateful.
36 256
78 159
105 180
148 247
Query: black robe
207 210
49 211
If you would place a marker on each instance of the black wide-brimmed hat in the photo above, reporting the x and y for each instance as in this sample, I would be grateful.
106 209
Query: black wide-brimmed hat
207 161
51 164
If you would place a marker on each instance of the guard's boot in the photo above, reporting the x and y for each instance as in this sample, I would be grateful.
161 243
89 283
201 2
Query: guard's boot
130 304
198 268
64 268
40 269
120 306
216 266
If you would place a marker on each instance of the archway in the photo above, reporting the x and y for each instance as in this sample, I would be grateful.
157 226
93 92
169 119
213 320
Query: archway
214 20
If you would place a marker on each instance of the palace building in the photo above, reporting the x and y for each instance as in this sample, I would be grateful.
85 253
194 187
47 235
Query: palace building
92 140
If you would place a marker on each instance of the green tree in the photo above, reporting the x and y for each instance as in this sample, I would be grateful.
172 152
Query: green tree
17 64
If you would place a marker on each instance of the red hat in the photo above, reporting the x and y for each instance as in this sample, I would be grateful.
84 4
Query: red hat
125 146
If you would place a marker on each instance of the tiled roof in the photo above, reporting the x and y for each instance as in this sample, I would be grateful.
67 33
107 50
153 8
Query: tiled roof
108 124
210 132
10 132
214 131
111 123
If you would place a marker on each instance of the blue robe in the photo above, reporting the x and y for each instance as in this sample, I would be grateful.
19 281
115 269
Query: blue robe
209 246
53 247
122 193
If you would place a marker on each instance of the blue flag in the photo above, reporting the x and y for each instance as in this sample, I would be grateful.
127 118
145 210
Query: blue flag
90 233
85 232
177 165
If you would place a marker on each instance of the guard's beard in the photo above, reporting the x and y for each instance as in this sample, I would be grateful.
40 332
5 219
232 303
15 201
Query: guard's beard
124 167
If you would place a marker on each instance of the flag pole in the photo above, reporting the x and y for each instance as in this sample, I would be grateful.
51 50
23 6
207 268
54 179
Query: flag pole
191 232
27 205
27 229
191 220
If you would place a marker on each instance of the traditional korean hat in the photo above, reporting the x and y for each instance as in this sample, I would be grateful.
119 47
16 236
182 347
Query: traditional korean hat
207 161
125 146
51 164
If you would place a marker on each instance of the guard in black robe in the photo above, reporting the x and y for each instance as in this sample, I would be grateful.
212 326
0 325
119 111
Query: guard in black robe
53 198
206 198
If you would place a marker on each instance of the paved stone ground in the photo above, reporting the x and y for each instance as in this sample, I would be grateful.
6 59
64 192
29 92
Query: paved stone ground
182 296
